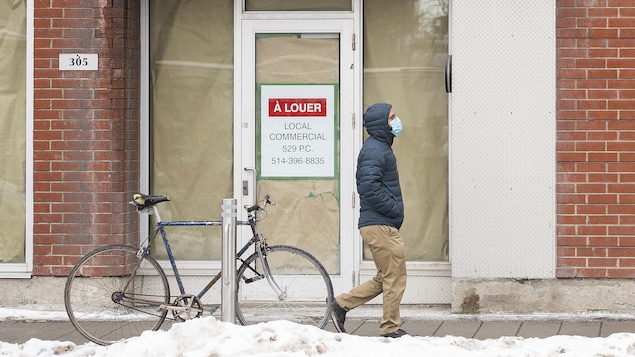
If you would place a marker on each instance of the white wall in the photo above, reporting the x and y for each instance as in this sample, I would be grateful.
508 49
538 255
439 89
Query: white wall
503 139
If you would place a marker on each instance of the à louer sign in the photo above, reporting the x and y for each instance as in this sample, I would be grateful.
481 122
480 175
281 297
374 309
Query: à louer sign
297 131
297 107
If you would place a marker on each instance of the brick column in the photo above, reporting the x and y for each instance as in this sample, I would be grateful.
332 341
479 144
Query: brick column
86 130
596 138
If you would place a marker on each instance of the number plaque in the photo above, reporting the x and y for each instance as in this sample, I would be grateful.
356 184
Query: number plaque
78 62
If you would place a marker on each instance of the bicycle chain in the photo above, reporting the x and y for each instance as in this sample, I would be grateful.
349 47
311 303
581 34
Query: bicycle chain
167 316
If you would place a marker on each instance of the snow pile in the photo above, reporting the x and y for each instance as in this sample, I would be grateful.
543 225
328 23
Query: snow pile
206 337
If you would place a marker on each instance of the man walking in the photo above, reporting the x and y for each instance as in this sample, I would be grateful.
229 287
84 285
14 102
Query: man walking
381 216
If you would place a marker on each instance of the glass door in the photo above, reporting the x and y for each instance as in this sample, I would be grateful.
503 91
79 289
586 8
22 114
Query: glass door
297 137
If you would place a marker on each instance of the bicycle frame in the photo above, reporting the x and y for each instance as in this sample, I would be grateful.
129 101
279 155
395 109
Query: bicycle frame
252 222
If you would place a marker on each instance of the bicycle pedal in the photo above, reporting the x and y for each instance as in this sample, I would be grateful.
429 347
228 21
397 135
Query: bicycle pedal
210 309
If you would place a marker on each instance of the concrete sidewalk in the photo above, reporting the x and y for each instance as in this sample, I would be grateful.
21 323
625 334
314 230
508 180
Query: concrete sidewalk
417 321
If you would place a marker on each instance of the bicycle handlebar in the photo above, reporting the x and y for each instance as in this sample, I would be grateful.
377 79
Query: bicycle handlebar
257 206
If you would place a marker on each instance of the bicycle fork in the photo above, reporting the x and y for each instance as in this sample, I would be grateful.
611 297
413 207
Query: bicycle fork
282 295
260 246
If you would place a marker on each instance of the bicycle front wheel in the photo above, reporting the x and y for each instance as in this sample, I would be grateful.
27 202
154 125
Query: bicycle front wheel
298 288
113 294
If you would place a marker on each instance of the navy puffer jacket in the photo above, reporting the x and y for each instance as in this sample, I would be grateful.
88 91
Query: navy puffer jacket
377 176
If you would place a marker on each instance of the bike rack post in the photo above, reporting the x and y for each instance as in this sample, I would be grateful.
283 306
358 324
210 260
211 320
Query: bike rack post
228 276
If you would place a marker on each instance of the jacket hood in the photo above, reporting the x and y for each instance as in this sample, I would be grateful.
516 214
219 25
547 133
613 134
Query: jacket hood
376 122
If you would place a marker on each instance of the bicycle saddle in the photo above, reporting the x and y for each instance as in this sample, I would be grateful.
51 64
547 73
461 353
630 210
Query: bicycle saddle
144 201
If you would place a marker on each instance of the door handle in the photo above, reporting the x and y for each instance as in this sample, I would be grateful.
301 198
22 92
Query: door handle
448 74
246 182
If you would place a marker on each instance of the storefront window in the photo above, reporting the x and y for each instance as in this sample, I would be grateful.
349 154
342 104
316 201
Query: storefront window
191 74
12 131
405 48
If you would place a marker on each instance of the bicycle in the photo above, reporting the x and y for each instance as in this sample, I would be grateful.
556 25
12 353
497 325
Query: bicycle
118 291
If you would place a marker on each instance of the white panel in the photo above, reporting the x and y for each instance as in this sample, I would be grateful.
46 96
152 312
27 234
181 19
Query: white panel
438 290
502 139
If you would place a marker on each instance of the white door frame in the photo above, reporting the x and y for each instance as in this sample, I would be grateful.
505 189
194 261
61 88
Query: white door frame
350 101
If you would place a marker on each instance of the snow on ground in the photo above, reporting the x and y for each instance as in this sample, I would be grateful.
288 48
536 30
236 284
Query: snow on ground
207 337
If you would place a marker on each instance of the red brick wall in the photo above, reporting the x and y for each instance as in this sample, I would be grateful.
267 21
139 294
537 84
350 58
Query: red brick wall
596 138
86 129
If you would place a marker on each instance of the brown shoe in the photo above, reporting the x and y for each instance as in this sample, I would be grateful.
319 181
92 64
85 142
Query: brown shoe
395 334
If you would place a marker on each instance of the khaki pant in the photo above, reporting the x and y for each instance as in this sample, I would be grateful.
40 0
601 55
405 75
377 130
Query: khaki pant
387 247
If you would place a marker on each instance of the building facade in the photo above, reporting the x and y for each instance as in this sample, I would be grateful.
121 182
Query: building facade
516 160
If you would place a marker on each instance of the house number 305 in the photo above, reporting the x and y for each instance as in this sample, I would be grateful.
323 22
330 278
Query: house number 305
78 61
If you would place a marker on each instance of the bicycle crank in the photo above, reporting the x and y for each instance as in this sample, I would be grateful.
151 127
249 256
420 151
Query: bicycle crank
186 307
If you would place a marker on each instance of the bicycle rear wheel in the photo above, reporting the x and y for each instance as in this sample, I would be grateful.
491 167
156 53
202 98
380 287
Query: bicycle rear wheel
108 299
305 285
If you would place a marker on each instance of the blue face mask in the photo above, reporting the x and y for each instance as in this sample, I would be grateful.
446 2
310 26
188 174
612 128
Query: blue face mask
396 126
